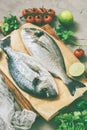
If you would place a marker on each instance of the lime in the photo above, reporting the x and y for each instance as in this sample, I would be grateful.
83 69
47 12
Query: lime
65 17
76 69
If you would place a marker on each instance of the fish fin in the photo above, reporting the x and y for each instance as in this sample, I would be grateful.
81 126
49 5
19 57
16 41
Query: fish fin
34 67
6 42
73 84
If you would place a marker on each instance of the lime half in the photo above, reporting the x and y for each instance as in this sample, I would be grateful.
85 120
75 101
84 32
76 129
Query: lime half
76 69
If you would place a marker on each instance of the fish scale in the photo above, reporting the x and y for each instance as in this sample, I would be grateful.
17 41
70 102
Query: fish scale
46 50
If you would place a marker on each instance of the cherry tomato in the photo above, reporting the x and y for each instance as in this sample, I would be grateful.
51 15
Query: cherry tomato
30 19
38 15
79 53
47 18
51 12
36 10
44 10
24 12
30 11
38 19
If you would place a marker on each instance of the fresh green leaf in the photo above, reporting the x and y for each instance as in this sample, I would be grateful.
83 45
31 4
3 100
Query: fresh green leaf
10 23
82 105
74 120
66 35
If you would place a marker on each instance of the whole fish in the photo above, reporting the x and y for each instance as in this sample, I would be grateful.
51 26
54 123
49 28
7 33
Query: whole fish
45 49
28 73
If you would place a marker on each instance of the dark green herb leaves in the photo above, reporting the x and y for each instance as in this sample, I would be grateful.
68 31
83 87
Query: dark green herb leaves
72 121
75 120
66 35
10 23
81 105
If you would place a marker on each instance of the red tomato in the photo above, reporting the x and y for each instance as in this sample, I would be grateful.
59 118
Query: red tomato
38 19
30 19
30 11
47 18
44 10
24 11
79 53
36 10
51 12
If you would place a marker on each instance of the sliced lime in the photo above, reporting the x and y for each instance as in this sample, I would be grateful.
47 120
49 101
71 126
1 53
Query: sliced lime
77 69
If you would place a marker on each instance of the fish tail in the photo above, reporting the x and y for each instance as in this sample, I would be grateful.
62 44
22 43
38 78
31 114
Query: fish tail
5 43
73 84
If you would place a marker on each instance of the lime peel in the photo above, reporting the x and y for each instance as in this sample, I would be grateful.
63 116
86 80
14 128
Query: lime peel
66 17
77 69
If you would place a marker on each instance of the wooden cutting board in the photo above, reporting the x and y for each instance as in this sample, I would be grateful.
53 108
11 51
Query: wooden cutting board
46 108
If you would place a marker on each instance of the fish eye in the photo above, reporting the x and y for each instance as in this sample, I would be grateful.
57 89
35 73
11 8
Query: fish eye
38 33
44 90
33 29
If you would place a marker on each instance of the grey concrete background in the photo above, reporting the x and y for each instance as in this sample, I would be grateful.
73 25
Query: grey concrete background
79 10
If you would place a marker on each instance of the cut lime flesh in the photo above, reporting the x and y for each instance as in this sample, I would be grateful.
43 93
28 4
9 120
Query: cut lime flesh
77 69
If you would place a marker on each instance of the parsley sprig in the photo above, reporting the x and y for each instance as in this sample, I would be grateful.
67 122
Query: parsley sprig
10 23
66 35
74 120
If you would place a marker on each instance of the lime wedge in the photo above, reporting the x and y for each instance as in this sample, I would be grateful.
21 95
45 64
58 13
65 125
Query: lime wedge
77 69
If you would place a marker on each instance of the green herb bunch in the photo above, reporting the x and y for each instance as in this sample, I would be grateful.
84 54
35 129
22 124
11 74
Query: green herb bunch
10 23
66 35
75 120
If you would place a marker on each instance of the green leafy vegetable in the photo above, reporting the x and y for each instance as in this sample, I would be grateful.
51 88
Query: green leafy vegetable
66 35
10 23
75 120
81 105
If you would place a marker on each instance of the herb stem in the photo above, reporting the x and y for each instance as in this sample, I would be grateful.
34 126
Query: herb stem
66 35
73 42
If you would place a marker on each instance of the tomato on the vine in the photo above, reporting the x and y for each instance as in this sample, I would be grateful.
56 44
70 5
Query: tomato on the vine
30 19
79 53
51 12
44 10
38 19
38 15
30 11
24 12
36 10
47 18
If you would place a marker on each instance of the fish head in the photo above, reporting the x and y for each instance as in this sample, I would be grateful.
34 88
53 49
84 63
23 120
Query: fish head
47 90
32 32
